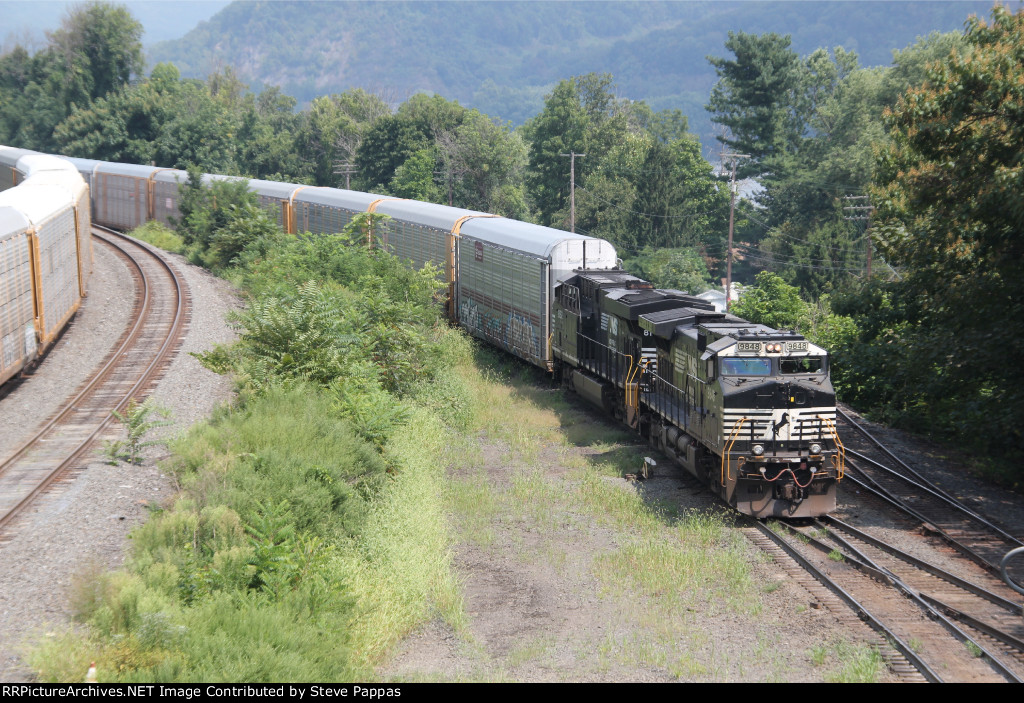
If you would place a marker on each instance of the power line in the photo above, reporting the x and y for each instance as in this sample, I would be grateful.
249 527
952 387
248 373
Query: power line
768 260
782 257
863 213
648 214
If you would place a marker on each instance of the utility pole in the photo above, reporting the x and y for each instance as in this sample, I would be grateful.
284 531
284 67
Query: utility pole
860 212
732 220
347 170
572 188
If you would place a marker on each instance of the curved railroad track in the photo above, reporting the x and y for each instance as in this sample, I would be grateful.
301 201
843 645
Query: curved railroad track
160 316
946 627
984 611
878 471
857 622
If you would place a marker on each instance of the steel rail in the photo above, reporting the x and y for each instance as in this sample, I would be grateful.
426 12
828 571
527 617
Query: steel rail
128 339
895 502
863 562
853 603
885 450
937 571
933 490
978 625
144 302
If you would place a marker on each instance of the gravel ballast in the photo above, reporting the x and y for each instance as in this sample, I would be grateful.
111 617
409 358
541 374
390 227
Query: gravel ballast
81 525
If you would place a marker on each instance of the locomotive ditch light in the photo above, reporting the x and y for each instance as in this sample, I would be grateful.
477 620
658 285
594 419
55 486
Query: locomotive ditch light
815 448
757 449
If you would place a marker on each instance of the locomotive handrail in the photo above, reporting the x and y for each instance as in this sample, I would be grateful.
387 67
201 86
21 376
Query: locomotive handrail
632 388
666 399
610 370
736 428
839 459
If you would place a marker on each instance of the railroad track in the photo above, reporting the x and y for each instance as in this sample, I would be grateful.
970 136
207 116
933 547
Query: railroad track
914 631
160 313
856 621
953 619
891 480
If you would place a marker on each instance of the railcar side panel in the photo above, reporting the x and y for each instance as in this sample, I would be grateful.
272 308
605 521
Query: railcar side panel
83 245
17 324
415 243
57 257
502 298
322 219
45 253
164 203
120 200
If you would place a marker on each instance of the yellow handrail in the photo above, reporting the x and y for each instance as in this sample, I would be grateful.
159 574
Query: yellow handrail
736 427
839 459
632 392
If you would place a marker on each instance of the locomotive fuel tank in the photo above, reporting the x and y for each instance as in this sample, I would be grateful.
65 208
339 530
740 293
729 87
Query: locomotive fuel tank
747 409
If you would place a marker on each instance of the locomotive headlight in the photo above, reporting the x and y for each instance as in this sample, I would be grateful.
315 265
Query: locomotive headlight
815 448
757 449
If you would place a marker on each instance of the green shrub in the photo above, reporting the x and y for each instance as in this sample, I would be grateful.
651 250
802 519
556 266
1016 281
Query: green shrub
159 235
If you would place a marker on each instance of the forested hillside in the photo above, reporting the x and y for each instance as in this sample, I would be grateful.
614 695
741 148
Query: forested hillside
312 519
881 228
503 57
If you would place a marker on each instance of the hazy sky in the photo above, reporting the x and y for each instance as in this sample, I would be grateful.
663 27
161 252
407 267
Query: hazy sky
163 19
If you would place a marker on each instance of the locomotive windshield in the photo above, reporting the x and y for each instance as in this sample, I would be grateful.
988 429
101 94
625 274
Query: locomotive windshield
801 364
736 366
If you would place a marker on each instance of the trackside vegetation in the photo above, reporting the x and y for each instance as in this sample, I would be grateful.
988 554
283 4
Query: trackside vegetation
884 195
316 516
309 532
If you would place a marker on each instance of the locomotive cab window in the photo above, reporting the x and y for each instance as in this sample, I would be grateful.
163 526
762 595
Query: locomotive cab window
801 364
738 366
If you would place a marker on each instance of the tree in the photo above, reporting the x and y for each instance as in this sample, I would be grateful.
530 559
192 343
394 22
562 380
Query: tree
484 163
580 115
678 202
826 117
387 145
772 302
950 214
681 269
94 53
755 96
100 45
414 179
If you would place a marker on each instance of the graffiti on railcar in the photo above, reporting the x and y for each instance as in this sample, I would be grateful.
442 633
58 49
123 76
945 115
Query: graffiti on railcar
516 332
521 337
469 315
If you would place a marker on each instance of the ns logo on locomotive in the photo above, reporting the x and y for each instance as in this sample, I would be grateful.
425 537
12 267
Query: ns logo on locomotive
747 409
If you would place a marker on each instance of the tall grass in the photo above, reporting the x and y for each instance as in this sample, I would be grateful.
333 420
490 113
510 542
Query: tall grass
310 532
159 235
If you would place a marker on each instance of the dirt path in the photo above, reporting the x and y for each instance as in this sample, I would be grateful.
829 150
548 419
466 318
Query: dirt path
573 573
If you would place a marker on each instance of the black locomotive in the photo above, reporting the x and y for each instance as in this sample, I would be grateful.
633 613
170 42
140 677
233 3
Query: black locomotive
747 409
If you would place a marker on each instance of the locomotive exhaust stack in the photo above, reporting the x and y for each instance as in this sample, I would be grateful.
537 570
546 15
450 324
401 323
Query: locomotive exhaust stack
746 409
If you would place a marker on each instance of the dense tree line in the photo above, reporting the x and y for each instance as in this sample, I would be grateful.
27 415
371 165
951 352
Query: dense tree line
931 340
939 168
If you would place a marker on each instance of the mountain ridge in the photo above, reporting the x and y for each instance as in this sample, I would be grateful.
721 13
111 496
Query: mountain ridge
502 57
